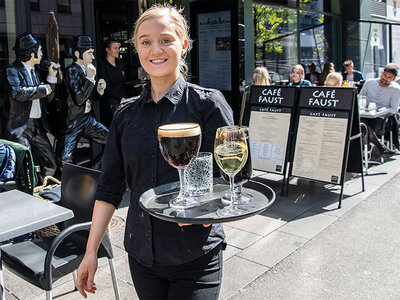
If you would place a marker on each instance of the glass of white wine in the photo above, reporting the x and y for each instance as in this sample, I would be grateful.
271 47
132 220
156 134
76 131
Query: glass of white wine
231 152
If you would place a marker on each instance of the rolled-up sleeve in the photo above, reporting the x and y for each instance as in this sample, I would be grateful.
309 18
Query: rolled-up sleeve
112 178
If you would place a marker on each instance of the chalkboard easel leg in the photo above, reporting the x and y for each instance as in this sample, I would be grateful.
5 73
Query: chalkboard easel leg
341 196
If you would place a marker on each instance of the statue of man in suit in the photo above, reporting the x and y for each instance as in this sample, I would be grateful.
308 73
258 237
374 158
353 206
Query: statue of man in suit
24 115
80 81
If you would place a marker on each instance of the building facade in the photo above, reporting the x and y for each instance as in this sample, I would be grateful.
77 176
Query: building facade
231 37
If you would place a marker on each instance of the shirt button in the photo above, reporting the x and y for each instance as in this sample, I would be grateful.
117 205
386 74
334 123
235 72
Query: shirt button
155 130
152 179
153 155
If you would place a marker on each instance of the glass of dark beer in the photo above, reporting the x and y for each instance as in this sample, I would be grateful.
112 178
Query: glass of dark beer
179 145
241 178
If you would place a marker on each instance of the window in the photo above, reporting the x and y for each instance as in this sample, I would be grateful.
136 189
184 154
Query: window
64 6
35 5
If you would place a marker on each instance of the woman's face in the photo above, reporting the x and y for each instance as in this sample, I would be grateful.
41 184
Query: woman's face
159 48
296 75
113 50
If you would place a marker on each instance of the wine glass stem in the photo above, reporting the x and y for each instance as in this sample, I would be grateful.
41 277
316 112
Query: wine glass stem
238 191
232 188
182 190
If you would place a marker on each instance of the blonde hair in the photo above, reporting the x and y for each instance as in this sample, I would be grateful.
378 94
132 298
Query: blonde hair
299 67
173 16
333 79
260 76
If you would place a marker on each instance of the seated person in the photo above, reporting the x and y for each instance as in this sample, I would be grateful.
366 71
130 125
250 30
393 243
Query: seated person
328 68
385 92
297 76
260 76
333 79
313 75
350 74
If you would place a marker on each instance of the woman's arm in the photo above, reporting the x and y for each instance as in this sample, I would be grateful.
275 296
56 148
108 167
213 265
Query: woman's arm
102 214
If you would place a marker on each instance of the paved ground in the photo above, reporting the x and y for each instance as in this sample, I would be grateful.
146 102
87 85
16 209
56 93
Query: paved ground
302 247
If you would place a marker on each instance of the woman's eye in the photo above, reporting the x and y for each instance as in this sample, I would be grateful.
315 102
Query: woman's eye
145 43
165 41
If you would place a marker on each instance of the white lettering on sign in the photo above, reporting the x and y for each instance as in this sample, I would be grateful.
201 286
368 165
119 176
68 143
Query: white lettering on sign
323 102
324 94
271 92
271 96
324 98
329 115
270 99
315 114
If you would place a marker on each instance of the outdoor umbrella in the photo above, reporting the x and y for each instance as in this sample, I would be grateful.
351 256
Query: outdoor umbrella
53 42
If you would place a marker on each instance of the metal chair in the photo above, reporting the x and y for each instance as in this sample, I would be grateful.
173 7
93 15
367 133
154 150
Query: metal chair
43 261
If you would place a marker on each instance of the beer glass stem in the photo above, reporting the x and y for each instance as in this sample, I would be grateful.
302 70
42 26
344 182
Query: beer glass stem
182 190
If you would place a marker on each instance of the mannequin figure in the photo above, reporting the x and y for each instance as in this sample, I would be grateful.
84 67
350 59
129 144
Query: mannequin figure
80 81
24 115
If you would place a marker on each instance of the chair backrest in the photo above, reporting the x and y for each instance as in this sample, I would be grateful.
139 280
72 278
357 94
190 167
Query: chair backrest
78 189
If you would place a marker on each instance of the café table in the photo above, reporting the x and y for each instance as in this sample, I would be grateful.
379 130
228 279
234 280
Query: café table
21 213
373 114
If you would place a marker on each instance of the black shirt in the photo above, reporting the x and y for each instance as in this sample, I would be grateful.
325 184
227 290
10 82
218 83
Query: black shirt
132 155
117 83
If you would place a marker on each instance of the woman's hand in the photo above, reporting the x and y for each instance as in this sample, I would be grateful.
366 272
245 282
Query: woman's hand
185 224
85 274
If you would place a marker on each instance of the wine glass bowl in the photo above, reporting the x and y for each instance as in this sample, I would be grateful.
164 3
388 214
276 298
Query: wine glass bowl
231 152
179 144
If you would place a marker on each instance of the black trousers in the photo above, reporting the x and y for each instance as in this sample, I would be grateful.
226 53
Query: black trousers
89 128
35 138
199 279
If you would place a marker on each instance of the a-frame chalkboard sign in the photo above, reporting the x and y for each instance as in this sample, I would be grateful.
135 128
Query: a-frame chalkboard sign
326 122
270 119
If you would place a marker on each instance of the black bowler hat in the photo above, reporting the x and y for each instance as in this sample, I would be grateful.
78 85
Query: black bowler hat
24 42
84 42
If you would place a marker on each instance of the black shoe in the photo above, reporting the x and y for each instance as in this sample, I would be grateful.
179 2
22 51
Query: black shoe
389 151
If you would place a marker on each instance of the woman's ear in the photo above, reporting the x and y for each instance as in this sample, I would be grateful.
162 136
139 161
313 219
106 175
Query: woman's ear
184 46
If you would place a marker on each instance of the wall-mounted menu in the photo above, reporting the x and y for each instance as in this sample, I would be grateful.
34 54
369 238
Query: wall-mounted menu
321 139
269 126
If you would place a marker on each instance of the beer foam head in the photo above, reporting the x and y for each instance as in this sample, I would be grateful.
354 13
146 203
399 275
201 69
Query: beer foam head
179 130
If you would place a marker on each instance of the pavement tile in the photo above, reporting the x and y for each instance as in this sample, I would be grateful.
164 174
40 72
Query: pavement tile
259 224
237 273
271 249
104 290
229 252
332 209
121 269
22 289
240 238
308 224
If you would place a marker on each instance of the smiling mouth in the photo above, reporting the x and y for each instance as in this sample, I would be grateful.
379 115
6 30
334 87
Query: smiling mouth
158 61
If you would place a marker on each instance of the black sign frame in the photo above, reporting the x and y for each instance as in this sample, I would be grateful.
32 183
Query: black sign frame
276 97
310 100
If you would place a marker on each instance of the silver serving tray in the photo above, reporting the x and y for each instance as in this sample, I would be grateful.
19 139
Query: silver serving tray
155 202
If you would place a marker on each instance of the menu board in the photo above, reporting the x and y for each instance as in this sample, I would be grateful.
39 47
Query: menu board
320 145
214 50
269 126
322 133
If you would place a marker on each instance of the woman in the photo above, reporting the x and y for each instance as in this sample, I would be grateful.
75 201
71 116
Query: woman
112 70
297 74
260 76
167 260
328 68
334 79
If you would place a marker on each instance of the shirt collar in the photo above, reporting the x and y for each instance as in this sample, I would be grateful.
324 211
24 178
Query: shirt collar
83 69
173 95
27 67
